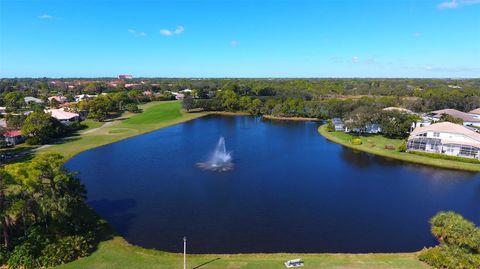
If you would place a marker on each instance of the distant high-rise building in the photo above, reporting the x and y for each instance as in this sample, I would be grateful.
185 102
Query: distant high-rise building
125 76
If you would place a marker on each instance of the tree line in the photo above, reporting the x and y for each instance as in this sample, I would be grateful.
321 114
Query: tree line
422 94
44 219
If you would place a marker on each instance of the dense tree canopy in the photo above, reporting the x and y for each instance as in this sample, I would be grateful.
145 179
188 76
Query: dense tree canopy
43 213
41 127
459 243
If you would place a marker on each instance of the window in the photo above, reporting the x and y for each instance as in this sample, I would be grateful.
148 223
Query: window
436 134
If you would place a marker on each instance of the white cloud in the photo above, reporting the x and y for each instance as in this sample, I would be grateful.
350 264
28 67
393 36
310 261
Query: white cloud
136 33
45 17
453 4
355 59
179 30
448 5
233 43
165 32
470 2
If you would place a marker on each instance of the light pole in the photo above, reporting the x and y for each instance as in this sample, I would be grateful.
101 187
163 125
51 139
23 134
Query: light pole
184 252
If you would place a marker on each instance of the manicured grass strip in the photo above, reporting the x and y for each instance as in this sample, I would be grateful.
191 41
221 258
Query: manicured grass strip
445 157
91 124
155 115
118 254
375 144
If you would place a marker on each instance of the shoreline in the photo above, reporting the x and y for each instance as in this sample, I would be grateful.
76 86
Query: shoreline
106 135
227 113
403 156
109 248
280 118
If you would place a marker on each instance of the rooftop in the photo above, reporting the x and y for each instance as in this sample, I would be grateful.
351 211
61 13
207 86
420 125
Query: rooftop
62 115
14 133
475 111
448 127
457 114
401 109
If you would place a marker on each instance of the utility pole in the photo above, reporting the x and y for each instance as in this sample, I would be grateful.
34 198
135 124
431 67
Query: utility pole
184 252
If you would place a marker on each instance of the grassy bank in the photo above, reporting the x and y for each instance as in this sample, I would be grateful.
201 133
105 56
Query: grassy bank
155 115
118 254
375 144
271 117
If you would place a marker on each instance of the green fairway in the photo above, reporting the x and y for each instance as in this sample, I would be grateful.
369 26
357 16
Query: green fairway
155 115
118 254
375 144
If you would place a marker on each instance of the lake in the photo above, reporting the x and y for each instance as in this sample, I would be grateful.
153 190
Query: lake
291 190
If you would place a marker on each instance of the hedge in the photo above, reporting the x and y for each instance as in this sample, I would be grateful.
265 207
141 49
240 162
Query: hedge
445 157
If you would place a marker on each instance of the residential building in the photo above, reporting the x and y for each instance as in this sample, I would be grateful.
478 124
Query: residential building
31 99
370 128
178 96
59 99
63 116
131 85
124 76
82 97
13 138
373 128
468 119
475 113
338 124
398 109
445 138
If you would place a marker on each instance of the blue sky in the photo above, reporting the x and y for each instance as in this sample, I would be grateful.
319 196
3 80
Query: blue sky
356 38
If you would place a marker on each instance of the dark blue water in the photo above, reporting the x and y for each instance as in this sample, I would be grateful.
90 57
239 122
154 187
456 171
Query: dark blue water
291 191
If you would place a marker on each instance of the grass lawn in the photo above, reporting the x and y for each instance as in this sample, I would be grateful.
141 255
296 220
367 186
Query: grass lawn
375 144
91 124
155 115
118 254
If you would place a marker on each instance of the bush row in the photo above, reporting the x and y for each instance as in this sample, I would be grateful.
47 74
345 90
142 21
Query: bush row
445 157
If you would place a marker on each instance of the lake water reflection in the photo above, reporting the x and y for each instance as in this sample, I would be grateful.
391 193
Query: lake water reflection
291 190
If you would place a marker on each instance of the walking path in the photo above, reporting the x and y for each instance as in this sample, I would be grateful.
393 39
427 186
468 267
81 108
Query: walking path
98 128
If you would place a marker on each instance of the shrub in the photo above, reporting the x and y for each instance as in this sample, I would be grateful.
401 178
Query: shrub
453 229
3 254
132 108
459 243
390 147
445 157
449 257
356 141
330 127
65 250
403 146
23 256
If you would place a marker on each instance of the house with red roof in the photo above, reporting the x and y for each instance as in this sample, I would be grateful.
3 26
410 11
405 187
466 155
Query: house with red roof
13 137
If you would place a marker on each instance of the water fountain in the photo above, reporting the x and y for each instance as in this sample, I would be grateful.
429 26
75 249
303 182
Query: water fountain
220 161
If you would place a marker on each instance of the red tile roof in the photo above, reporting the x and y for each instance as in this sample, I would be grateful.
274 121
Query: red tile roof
13 133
